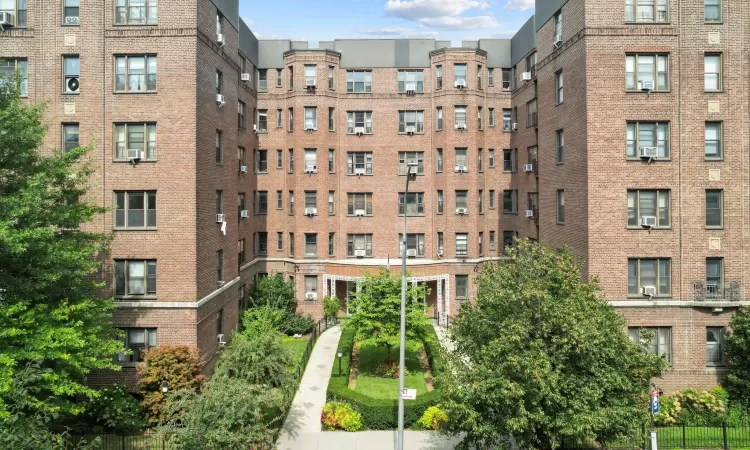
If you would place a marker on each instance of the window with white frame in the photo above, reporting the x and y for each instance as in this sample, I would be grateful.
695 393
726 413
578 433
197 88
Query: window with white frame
439 116
660 343
135 136
16 11
414 203
558 24
331 119
406 158
462 200
359 203
135 73
560 146
462 244
480 124
311 75
311 199
135 277
438 77
358 243
413 242
491 118
311 284
331 244
439 162
459 73
279 241
359 120
491 199
507 78
411 120
647 134
646 10
138 341
507 119
70 137
279 118
559 87
479 77
647 71
8 68
311 245
714 208
649 272
410 80
492 240
459 116
715 342
531 118
72 74
311 118
262 80
712 72
291 119
219 154
462 287
560 206
262 120
331 203
713 134
439 201
311 159
712 11
135 210
359 163
330 77
481 201
491 158
278 77
490 76
135 12
648 203
358 81
462 157
241 115
290 169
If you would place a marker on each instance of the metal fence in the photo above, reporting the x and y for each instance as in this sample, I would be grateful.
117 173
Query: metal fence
690 437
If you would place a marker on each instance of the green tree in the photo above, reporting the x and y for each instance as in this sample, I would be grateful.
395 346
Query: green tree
738 358
331 306
275 292
377 311
540 357
116 410
54 324
257 357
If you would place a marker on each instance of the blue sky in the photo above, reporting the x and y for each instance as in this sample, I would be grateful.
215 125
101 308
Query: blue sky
454 20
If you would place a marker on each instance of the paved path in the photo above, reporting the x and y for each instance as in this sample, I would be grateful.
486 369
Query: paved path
442 334
367 440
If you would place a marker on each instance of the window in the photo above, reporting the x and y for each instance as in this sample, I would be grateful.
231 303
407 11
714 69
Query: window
311 244
647 134
262 120
560 206
714 277
331 119
331 244
240 252
439 201
480 125
291 77
712 10
241 299
135 136
70 137
311 284
291 244
531 113
479 77
533 203
462 158
531 63
137 340
439 165
644 203
311 199
531 157
358 81
279 119
279 241
330 77
509 160
649 273
459 116
331 203
219 202
135 277
220 322
291 161
462 244
8 69
261 202
359 203
331 160
491 158
359 120
712 72
440 243
646 10
219 147
481 202
558 24
311 74
459 73
291 119
560 145
661 343
414 119
241 157
491 118
509 240
714 208
410 80
135 210
713 136
414 204
262 80
240 205
439 115
645 69
262 243
359 163
311 160
481 243
291 203
219 81
492 241
279 200
241 115
492 199
413 242
135 12
507 119
559 87
462 200
715 346
279 159
507 77
135 73
406 158
311 118
480 160
510 201
278 77
72 70
358 242
438 77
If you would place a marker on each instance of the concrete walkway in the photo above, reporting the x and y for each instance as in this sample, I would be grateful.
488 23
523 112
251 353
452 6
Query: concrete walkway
367 440
443 336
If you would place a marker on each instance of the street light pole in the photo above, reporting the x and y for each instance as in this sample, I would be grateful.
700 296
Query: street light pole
410 168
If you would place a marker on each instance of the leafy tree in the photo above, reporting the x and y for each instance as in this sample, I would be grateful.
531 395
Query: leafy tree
229 414
738 358
331 306
179 366
256 358
52 317
275 292
377 307
540 357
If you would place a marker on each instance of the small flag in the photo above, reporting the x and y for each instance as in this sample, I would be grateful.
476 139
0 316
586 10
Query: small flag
224 227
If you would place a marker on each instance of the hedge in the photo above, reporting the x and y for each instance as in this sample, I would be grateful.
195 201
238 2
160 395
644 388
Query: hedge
382 414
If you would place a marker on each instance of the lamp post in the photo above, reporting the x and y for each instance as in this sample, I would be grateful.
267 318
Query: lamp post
340 353
411 169
164 387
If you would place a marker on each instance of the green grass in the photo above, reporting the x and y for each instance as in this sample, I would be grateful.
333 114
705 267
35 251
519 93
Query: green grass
387 388
296 347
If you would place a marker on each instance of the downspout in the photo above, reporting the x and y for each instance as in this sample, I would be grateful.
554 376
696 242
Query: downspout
104 114
679 140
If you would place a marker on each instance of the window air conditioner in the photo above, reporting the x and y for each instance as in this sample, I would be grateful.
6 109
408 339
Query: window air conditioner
558 40
440 253
359 212
311 169
410 88
6 19
245 77
461 211
459 84
528 167
648 221
255 128
220 99
135 154
311 296
410 129
649 291
460 126
525 76
221 341
244 213
309 82
460 169
311 211
221 218
411 252
220 39
646 86
649 152
360 253
359 171
359 130
72 20
529 213
514 127
310 129
243 169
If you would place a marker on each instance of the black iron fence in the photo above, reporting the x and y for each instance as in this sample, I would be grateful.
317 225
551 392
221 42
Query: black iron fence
724 437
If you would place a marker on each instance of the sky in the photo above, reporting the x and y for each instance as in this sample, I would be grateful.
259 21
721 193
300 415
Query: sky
324 20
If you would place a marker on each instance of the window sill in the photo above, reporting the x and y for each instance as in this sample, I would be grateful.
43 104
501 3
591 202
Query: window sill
260 214
135 229
638 228
720 91
134 92
366 215
646 23
404 133
359 174
438 129
130 298
71 93
560 163
658 160
360 257
719 159
261 132
560 223
358 92
412 215
125 161
643 297
713 22
416 175
714 228
717 366
512 212
558 104
135 25
355 134
261 173
636 91
415 93
70 25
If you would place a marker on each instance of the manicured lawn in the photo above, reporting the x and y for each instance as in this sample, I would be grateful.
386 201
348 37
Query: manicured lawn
296 347
387 388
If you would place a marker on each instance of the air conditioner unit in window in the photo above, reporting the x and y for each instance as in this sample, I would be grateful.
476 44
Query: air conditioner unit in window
440 253
528 167
558 40
255 128
410 129
311 296
360 253
461 211
220 100
359 130
514 127
646 86
221 341
243 169
245 77
221 218
359 171
649 291
220 39
72 20
649 152
311 211
411 253
135 155
309 82
410 88
310 129
525 76
6 19
311 169
359 212
244 213
648 221
459 84
461 169
460 126
529 213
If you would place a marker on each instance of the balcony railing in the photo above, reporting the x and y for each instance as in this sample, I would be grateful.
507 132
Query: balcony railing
717 292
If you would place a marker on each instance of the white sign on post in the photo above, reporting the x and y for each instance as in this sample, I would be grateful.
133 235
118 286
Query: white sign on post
409 394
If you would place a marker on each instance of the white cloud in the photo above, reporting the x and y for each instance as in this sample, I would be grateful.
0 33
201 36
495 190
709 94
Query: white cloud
444 14
397 32
462 23
520 5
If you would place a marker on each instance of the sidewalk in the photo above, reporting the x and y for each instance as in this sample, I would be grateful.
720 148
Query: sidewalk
442 334
368 440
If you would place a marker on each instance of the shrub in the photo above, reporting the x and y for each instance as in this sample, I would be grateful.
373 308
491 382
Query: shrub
262 319
297 324
691 407
432 419
275 292
258 358
341 416
385 369
116 410
331 306
179 366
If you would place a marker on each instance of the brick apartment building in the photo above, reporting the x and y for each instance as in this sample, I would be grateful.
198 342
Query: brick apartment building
276 157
